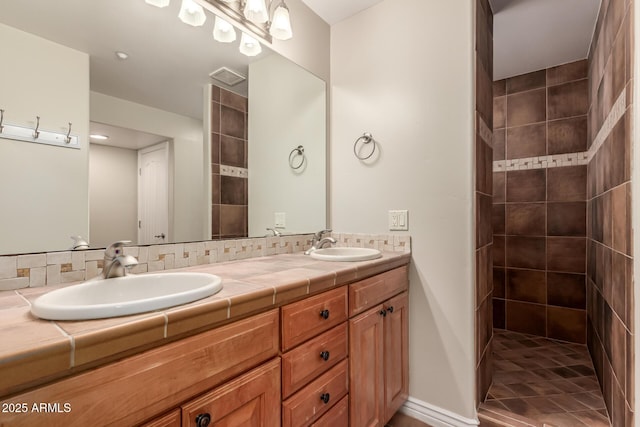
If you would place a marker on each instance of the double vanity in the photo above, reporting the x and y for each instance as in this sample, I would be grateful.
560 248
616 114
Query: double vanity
288 340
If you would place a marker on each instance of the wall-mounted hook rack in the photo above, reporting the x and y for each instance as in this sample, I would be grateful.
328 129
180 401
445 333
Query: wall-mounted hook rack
36 135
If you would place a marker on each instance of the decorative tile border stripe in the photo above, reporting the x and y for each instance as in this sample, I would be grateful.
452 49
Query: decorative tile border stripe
227 170
484 131
571 159
382 242
541 162
53 268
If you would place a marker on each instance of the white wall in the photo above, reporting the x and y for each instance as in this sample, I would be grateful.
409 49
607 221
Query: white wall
43 195
309 46
403 70
189 196
113 199
287 108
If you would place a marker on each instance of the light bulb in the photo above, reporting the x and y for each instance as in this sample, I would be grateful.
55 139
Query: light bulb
223 31
249 46
256 11
281 24
192 13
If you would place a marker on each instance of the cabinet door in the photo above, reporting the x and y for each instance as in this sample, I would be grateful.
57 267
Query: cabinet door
366 369
396 357
250 400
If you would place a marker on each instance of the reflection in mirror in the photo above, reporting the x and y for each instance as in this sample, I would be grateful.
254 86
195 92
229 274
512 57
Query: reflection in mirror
62 66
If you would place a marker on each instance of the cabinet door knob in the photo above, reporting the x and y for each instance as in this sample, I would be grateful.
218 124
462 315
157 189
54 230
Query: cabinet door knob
325 397
324 355
390 309
324 314
203 420
383 313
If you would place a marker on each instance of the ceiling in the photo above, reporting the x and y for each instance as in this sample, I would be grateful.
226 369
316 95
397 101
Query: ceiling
333 11
531 35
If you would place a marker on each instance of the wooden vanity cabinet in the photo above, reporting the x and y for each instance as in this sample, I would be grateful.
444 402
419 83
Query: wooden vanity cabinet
378 350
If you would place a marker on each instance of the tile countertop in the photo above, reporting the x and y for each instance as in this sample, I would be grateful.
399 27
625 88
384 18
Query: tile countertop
35 351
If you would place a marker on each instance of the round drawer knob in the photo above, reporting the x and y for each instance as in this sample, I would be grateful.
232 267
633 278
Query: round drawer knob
390 309
383 313
324 355
324 314
203 420
325 397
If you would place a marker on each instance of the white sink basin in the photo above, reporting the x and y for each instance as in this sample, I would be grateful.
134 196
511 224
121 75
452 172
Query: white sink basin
100 298
346 254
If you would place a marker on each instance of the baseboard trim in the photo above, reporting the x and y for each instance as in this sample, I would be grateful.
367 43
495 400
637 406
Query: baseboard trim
434 415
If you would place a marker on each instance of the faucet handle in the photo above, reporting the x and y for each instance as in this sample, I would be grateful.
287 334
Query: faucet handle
319 234
113 248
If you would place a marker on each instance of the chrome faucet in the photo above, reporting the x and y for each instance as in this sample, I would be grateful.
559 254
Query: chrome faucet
318 242
275 232
116 262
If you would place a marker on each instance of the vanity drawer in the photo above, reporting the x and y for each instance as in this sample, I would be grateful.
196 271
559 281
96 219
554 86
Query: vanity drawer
372 291
307 318
306 362
338 416
310 403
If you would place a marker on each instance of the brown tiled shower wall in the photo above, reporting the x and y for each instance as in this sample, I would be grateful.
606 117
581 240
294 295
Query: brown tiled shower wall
483 191
610 304
539 202
229 177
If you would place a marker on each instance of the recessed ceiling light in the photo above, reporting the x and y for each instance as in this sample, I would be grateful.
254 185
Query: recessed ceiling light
98 136
122 55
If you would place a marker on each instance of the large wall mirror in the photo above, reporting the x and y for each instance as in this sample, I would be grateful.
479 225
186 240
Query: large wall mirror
187 158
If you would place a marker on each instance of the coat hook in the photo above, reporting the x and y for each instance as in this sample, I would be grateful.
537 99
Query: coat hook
36 134
1 120
68 138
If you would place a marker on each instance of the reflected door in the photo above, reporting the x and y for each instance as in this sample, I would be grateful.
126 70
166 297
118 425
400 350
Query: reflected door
153 194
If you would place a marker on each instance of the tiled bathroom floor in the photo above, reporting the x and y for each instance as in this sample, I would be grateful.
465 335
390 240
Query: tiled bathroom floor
542 382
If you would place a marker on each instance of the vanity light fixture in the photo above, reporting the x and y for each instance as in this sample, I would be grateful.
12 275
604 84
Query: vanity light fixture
256 11
192 13
158 3
223 31
280 27
249 46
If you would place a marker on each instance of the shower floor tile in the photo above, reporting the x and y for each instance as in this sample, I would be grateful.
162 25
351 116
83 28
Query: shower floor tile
542 382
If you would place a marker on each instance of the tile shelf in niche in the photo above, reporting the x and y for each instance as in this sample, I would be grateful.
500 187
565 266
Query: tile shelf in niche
21 133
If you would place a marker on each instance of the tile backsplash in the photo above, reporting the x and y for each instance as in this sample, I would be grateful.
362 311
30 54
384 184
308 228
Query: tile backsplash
53 268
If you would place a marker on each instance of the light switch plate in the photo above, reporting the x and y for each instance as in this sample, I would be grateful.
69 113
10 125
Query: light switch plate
399 220
280 219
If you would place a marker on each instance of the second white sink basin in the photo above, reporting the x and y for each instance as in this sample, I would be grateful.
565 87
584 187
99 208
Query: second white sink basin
346 254
101 298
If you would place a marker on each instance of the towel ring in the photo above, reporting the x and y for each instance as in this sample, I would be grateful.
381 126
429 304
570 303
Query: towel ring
366 138
298 151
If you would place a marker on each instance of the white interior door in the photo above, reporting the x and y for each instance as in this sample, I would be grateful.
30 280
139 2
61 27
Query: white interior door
153 194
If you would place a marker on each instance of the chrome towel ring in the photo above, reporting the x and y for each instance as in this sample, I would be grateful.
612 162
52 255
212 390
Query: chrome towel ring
297 152
366 138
